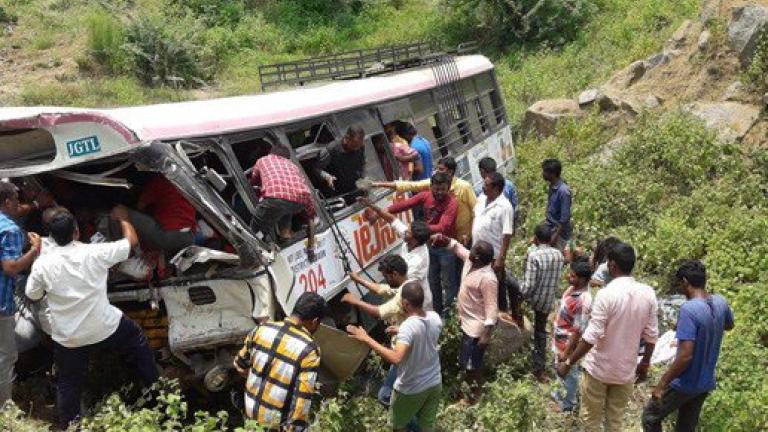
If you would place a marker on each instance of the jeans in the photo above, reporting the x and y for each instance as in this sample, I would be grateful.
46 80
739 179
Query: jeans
688 408
385 392
72 363
153 235
603 404
272 215
539 341
570 400
442 277
8 356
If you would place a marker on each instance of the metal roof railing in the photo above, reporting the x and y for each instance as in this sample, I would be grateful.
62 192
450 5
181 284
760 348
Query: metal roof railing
355 64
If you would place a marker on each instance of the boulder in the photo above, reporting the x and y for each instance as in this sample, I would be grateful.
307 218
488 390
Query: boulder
680 36
732 120
588 97
733 92
507 339
629 75
704 39
652 101
709 10
542 117
744 29
657 59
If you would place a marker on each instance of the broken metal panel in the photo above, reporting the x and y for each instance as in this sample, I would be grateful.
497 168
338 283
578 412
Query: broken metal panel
191 255
340 354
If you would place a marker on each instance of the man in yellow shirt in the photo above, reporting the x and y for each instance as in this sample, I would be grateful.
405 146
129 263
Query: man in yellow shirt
439 271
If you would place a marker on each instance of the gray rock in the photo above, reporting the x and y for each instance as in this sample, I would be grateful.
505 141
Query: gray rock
542 117
744 29
657 59
507 339
635 72
732 120
588 97
733 92
708 10
606 152
651 102
680 36
704 39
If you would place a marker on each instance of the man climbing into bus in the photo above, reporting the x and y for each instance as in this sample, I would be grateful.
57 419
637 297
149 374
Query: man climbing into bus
343 165
164 219
73 276
280 361
408 158
421 145
14 261
440 209
284 194
466 200
416 353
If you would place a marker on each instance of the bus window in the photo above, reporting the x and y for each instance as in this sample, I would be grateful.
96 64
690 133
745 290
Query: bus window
479 117
498 107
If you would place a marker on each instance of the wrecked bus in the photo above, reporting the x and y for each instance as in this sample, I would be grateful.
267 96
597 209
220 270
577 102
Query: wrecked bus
199 308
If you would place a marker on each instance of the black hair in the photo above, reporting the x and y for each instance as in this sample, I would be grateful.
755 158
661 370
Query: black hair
692 271
413 293
405 129
393 264
448 162
484 252
309 306
487 164
624 256
497 180
8 190
62 227
581 268
355 132
420 231
552 166
601 251
439 178
50 213
543 233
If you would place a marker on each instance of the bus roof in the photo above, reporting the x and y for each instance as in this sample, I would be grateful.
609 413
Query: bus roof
217 116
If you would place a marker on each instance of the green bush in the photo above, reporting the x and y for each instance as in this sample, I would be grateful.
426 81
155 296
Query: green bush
106 41
757 73
7 17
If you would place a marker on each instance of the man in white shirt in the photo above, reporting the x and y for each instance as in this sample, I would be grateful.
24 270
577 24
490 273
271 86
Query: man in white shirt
73 276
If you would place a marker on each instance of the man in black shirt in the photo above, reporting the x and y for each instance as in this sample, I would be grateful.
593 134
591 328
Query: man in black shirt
344 165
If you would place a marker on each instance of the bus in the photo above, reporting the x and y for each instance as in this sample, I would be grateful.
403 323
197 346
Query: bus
198 313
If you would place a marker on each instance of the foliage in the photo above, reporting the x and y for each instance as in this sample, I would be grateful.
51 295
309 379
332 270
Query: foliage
506 22
106 40
7 17
757 73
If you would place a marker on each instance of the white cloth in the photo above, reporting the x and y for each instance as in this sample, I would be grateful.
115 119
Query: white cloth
418 263
420 369
74 277
493 220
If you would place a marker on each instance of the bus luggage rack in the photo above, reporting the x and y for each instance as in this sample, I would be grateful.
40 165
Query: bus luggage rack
355 64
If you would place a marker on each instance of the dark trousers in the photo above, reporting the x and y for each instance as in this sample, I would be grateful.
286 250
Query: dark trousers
688 408
539 341
72 365
442 279
272 215
510 297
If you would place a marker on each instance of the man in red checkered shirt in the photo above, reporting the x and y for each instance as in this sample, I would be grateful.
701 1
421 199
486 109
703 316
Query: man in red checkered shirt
284 194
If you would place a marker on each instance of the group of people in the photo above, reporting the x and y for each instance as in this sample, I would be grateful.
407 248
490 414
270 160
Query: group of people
454 261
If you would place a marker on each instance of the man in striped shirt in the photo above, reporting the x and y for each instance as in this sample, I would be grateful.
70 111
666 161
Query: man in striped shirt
543 270
280 361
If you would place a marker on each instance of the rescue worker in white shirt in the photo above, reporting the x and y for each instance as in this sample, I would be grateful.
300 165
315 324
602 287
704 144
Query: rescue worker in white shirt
73 276
494 222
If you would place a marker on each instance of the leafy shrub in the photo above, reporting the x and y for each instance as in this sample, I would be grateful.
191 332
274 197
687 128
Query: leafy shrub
166 55
757 73
106 42
215 12
525 21
7 17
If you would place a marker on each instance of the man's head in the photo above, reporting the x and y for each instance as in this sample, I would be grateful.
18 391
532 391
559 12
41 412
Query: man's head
689 276
551 170
601 251
412 297
621 260
49 214
418 234
394 269
63 228
9 199
406 130
580 272
354 139
309 310
440 185
447 165
486 166
392 128
481 254
542 234
493 185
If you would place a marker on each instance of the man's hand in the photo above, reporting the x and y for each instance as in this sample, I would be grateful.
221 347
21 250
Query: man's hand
439 240
642 372
311 255
331 181
364 200
658 392
563 369
498 264
34 241
349 298
358 333
485 338
392 330
120 212
355 277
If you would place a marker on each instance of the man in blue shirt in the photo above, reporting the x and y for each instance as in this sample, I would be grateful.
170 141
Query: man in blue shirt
13 262
487 166
421 145
558 203
691 376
